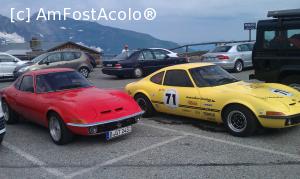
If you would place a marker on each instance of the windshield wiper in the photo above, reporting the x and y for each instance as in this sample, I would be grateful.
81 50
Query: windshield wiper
227 80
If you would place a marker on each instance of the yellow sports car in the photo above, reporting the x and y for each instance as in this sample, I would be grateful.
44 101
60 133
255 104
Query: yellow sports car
206 91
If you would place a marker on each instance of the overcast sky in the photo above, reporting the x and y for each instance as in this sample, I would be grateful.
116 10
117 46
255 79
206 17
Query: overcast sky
181 21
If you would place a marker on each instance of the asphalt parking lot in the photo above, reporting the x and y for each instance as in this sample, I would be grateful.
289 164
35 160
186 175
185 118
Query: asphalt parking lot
161 147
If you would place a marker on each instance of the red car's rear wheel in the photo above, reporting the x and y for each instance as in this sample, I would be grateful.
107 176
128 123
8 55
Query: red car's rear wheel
59 133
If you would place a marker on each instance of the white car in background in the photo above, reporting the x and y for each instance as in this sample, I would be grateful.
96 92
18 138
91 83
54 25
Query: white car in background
7 65
166 52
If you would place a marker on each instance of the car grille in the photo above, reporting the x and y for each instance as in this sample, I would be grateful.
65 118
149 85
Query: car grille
115 125
2 125
293 120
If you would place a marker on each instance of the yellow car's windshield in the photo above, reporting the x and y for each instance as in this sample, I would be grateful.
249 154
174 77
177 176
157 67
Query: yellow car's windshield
212 75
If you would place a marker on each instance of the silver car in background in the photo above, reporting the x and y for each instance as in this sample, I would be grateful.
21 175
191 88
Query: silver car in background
7 65
235 56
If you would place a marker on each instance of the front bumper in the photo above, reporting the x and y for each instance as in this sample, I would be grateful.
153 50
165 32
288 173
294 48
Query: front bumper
102 127
118 71
280 122
2 126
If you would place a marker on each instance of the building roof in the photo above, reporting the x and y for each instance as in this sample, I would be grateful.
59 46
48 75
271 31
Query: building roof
75 44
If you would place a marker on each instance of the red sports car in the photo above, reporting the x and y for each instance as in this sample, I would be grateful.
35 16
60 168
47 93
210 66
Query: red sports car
66 103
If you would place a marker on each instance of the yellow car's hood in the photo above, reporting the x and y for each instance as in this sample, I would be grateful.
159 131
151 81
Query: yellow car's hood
270 92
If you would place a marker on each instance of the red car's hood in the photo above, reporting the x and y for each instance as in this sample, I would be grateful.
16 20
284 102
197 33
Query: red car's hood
97 105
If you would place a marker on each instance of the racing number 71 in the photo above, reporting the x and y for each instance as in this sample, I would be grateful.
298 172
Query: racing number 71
169 96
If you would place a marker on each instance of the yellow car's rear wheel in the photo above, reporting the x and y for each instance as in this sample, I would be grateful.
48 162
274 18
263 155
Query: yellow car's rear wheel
240 121
145 104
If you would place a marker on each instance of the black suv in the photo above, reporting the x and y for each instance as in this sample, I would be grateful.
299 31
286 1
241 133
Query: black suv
276 53
138 63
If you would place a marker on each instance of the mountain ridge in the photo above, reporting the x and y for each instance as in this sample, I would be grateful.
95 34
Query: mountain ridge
110 39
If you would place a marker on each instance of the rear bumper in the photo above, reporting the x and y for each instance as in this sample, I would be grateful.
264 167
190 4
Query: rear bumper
102 127
226 64
6 75
280 122
118 71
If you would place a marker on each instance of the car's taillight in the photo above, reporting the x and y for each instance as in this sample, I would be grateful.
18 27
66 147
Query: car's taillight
274 113
222 57
118 65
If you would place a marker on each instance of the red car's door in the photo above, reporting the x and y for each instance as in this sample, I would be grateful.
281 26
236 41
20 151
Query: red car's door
27 99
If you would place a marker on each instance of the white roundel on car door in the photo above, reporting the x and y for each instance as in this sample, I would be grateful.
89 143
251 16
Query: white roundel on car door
171 98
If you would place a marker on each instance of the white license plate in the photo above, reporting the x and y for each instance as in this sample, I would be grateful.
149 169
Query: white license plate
109 65
118 132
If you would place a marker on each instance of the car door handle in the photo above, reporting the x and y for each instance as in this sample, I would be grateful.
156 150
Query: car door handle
161 89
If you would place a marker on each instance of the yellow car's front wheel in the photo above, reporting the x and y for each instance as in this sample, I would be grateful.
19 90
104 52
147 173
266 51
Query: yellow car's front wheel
239 120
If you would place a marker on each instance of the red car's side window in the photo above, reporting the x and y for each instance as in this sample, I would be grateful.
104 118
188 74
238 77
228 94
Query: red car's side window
27 84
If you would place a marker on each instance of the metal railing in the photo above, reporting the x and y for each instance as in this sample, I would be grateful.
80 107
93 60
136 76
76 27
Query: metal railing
186 47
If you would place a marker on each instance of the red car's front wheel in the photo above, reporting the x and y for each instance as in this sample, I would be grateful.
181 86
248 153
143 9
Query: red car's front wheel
59 133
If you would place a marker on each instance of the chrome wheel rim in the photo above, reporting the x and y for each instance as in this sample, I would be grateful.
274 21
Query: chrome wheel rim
5 111
239 66
55 129
142 103
84 72
138 72
237 121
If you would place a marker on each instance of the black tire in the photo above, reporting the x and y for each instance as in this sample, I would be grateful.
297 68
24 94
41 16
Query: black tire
238 66
10 116
292 81
240 121
145 105
138 73
84 71
1 138
65 135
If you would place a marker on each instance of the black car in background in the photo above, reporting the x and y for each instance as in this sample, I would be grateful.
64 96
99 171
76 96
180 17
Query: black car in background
276 53
138 63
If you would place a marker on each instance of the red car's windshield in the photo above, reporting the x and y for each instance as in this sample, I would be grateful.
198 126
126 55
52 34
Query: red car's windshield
60 81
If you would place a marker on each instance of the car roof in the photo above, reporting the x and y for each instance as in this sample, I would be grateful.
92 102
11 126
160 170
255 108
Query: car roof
50 70
187 66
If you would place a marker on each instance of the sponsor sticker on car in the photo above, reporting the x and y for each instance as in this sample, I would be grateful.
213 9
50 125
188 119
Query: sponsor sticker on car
118 132
281 92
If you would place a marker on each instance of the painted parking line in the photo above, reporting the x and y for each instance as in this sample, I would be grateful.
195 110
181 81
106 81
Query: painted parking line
115 160
260 149
33 159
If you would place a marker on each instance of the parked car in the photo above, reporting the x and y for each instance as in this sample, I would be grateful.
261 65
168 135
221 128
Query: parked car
207 92
76 60
235 56
276 53
138 63
166 52
65 102
92 60
2 126
7 65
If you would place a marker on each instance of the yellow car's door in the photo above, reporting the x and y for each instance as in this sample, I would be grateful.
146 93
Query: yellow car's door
177 95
